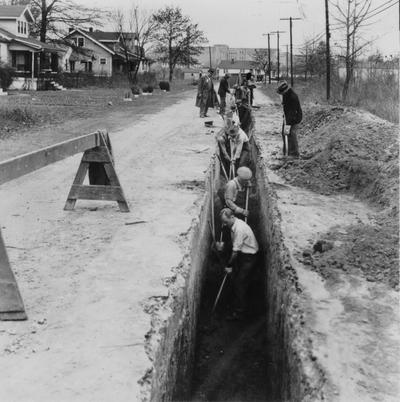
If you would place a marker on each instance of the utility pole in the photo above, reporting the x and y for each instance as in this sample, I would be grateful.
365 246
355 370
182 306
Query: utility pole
328 53
209 52
277 50
291 46
305 66
287 61
269 57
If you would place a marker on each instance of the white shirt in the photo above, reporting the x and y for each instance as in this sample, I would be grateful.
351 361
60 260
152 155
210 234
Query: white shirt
243 238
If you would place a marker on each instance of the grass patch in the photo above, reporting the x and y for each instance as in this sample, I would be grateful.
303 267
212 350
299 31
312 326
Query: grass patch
378 95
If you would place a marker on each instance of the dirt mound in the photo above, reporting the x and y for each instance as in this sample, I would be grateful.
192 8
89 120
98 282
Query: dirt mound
345 150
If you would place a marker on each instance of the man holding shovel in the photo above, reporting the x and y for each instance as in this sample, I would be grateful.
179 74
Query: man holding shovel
234 147
237 192
242 261
292 117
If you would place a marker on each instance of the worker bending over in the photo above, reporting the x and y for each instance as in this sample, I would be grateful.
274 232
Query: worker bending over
235 192
234 146
242 261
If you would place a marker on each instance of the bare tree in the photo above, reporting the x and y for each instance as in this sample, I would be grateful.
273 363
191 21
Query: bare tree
351 15
260 60
178 40
51 16
136 33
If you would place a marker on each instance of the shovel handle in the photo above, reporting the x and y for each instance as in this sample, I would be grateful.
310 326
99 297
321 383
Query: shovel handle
219 292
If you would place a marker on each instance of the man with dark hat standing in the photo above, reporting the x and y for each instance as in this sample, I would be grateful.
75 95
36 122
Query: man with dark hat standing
205 93
222 91
292 115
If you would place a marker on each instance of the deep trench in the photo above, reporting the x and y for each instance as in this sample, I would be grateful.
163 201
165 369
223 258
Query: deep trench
232 357
204 357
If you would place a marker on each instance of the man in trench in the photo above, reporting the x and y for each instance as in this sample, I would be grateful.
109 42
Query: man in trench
235 192
292 115
234 146
242 262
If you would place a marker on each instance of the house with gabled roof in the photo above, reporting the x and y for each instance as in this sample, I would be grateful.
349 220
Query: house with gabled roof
234 67
102 53
28 56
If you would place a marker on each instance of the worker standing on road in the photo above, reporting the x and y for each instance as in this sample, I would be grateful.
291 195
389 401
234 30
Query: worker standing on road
292 115
235 192
223 90
250 83
242 261
205 93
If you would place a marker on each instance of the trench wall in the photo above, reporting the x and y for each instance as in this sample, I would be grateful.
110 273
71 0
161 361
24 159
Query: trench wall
295 373
174 337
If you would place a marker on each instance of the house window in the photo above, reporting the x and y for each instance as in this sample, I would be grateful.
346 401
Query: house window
19 27
103 61
24 27
72 66
81 42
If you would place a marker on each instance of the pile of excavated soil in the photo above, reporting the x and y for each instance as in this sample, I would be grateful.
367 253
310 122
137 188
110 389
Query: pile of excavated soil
344 150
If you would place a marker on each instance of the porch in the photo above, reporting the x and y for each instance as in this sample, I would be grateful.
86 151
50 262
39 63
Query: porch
34 67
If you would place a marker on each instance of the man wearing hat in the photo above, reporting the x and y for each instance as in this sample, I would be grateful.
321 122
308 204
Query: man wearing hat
292 115
205 93
235 192
234 145
223 89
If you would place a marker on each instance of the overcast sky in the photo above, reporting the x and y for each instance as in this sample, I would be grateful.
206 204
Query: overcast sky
241 23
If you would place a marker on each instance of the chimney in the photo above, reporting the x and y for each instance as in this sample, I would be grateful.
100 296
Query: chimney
91 29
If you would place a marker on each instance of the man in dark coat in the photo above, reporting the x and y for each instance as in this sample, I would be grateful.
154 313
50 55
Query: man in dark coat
292 114
205 93
250 85
222 91
245 116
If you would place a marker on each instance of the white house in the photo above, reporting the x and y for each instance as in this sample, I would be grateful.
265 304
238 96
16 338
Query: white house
102 53
234 67
28 56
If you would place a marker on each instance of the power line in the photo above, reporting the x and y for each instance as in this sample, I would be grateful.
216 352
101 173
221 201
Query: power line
380 12
382 5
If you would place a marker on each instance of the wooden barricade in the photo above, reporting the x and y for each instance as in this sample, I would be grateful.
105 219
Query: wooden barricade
104 185
100 161
11 304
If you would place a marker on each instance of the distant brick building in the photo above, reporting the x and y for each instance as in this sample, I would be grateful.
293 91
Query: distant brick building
224 52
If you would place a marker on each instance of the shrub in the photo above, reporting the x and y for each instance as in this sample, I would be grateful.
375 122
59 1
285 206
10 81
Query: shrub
136 90
6 75
164 85
147 89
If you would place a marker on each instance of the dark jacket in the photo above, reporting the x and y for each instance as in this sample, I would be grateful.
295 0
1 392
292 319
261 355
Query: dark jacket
205 92
292 108
223 87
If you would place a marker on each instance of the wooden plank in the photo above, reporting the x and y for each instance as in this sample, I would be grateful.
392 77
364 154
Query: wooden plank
79 178
102 193
98 154
12 168
11 304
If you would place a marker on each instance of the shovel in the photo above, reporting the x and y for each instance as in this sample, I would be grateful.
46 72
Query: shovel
285 138
247 202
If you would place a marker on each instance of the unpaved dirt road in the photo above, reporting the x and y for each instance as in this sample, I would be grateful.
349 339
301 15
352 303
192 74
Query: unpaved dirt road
85 276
